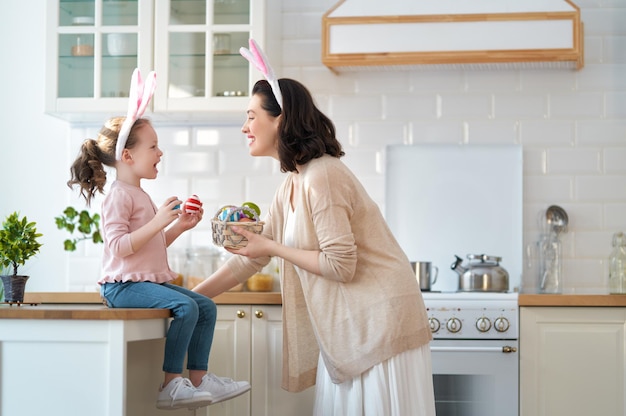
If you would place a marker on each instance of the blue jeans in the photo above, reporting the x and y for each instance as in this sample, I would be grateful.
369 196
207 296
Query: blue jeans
191 330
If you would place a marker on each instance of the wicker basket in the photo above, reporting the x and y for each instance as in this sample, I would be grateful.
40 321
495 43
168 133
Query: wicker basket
223 236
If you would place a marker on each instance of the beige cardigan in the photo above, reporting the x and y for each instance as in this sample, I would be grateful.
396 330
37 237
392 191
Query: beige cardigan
366 307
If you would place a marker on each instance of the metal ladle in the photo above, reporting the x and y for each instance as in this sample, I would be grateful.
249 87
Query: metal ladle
557 219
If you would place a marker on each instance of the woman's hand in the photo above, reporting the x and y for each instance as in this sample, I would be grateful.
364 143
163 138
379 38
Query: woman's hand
258 246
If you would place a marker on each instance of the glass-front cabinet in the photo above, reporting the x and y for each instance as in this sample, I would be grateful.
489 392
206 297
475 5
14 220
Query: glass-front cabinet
193 45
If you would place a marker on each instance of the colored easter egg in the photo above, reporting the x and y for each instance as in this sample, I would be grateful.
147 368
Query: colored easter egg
192 204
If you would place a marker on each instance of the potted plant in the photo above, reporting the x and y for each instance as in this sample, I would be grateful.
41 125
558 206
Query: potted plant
18 243
86 224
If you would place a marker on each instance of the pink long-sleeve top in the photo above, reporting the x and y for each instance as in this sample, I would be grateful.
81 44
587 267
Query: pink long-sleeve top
125 209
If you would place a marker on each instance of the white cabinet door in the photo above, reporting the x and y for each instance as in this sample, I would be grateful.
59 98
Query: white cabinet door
572 361
247 345
92 49
268 398
230 357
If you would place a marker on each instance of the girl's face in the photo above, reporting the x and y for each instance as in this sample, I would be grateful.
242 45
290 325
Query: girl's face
261 128
145 155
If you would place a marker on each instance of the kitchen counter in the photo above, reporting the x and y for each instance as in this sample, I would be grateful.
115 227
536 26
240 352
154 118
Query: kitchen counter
115 354
527 299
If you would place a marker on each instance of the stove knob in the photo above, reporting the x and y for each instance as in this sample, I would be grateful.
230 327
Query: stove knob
483 324
502 324
454 325
434 324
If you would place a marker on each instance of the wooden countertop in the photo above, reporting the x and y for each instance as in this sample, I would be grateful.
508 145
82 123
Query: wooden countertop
88 305
226 298
571 300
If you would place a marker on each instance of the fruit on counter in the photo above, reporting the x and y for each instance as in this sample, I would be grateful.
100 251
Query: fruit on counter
248 211
192 204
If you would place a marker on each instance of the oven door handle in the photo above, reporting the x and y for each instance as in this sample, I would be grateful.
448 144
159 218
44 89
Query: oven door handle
505 349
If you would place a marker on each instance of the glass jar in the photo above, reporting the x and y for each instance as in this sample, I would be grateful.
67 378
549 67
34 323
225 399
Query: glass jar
201 263
617 264
550 264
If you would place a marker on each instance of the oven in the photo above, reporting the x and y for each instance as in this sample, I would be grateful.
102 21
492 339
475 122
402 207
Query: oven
475 353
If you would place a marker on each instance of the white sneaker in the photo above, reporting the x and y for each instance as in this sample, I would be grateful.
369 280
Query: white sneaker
179 393
222 388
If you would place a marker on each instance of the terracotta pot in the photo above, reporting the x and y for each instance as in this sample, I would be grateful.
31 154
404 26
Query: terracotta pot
14 286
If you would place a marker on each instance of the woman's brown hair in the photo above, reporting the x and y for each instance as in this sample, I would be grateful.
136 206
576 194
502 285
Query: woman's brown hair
305 132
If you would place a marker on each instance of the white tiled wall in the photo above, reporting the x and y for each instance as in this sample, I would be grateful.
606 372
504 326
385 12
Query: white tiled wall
572 125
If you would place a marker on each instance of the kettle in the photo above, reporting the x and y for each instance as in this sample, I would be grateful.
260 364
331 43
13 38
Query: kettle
482 274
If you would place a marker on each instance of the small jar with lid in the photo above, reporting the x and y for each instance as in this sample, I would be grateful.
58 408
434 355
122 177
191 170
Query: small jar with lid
83 44
617 264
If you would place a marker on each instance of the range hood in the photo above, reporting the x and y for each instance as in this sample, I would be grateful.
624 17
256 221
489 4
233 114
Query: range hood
368 34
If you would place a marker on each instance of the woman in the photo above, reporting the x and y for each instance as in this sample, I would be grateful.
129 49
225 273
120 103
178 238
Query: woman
354 319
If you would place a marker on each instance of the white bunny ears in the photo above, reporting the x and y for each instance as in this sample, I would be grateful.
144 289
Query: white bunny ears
139 97
256 57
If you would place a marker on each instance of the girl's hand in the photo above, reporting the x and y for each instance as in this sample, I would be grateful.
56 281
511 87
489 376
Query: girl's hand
187 221
168 212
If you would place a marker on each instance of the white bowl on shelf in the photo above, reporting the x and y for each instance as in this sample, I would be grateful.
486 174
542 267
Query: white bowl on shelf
122 44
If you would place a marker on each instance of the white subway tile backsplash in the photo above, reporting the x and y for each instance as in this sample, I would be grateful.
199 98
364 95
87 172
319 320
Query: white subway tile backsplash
577 105
368 82
594 50
409 107
378 133
521 105
605 21
547 188
596 77
615 49
356 107
494 80
590 244
544 80
436 132
239 162
547 132
466 106
187 162
584 216
615 105
496 132
573 161
430 80
615 160
600 188
601 133
615 216
534 161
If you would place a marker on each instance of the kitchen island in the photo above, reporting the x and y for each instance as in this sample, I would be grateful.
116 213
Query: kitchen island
69 354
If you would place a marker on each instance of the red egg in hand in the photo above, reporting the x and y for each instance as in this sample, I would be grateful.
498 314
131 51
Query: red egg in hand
192 204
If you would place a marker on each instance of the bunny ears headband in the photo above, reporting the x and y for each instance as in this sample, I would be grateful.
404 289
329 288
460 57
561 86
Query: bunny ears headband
139 97
256 57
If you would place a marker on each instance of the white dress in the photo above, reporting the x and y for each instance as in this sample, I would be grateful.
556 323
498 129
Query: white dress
399 386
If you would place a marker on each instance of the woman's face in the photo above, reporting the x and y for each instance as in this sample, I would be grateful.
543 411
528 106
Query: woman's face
261 128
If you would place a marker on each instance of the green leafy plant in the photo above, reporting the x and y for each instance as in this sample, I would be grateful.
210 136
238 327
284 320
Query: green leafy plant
18 241
87 225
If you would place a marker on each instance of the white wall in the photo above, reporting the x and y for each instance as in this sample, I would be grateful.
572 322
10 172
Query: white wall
572 126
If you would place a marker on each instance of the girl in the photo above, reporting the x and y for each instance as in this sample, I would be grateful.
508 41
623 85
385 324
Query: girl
135 269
